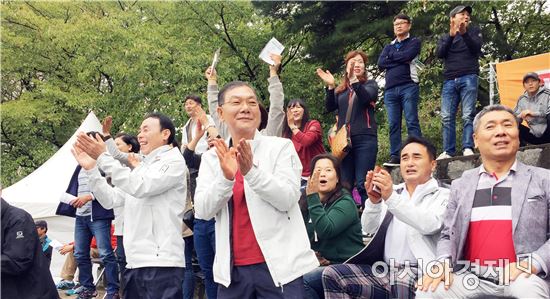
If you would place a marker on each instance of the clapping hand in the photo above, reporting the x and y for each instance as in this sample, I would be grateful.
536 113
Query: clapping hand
227 157
244 156
327 77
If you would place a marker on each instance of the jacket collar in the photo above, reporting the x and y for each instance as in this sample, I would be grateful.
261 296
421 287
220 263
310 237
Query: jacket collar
421 190
397 41
155 153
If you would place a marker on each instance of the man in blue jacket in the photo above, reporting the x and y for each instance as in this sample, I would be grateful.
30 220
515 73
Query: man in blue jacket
401 91
460 50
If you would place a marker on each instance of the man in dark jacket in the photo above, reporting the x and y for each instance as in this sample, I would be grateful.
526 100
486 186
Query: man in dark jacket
401 92
460 50
25 272
42 230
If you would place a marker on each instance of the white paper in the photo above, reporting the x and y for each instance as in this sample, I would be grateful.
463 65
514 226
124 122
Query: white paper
56 244
215 59
272 47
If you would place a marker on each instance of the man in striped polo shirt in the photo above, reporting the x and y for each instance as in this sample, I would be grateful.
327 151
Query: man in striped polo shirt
495 239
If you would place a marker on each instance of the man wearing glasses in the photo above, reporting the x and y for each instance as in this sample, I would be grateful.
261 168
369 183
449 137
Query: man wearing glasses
401 90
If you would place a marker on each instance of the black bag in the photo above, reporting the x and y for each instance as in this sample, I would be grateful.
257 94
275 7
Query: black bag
189 218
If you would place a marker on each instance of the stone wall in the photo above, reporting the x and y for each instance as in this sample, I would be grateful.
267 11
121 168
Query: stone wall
450 169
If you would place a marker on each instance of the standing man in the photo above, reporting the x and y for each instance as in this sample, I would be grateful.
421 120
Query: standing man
252 187
405 219
193 109
498 231
534 108
401 90
25 272
153 195
460 51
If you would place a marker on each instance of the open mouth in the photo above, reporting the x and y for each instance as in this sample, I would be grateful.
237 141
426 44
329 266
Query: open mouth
410 171
502 143
323 182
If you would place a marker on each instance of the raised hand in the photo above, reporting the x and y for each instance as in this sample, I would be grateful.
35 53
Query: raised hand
244 156
227 157
383 181
106 124
83 158
290 119
273 69
133 160
327 77
374 197
313 183
94 147
462 27
211 74
452 28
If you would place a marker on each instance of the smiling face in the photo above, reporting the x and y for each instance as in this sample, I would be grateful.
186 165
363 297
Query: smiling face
497 136
151 136
297 112
328 177
359 65
240 111
416 164
189 105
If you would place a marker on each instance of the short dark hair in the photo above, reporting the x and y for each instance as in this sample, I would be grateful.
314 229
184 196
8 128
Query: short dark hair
430 148
165 124
193 97
231 85
41 224
129 139
402 16
491 108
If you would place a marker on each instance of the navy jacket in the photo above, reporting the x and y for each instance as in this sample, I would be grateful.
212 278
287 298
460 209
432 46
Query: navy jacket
460 53
362 120
98 212
396 59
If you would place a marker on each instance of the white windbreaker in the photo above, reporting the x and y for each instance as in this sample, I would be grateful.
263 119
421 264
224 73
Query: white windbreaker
272 190
153 195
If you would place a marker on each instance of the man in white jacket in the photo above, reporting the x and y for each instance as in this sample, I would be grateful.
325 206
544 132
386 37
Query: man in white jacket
153 195
405 219
252 187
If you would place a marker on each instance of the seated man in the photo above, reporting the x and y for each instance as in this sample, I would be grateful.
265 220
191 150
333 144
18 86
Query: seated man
42 230
497 223
405 220
534 107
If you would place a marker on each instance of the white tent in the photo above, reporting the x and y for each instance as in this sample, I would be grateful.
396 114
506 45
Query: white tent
39 192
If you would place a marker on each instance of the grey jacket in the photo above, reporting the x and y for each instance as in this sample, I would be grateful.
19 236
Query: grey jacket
540 106
530 216
276 109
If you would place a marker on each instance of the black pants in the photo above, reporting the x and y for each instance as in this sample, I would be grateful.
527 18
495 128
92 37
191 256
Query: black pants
153 283
526 137
254 281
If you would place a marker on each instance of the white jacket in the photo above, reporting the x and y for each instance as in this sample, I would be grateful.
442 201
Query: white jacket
424 215
153 195
272 190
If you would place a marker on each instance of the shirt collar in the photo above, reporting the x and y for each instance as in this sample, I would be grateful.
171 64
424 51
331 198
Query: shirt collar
513 168
397 41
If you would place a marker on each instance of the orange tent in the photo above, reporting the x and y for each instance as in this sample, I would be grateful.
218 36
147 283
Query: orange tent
510 76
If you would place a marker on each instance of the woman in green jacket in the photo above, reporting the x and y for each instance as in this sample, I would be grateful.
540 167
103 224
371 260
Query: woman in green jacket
332 221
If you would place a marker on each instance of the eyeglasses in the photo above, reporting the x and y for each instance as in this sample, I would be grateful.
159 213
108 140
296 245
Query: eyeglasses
400 23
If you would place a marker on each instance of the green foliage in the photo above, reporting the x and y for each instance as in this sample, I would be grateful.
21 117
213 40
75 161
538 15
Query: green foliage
62 59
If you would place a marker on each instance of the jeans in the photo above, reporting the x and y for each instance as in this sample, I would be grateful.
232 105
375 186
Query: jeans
101 230
313 284
358 162
402 99
121 259
189 277
460 90
205 247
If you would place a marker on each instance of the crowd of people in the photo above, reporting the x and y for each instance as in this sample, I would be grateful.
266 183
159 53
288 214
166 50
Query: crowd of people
252 195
